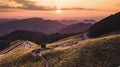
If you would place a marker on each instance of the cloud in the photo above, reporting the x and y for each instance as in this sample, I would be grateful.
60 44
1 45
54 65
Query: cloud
30 5
5 6
24 4
75 9
6 10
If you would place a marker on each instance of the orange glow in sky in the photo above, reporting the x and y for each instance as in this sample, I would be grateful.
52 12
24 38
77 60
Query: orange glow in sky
58 9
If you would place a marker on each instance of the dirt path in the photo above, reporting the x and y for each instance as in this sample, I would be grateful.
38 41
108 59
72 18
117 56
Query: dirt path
11 49
45 60
39 52
85 35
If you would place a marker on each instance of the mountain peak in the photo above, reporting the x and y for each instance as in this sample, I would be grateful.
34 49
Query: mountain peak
106 25
34 19
89 20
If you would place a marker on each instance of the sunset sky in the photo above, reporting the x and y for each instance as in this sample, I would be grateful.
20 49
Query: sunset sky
58 9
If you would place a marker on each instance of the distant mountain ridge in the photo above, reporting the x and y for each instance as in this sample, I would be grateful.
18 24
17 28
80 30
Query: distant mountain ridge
5 20
31 24
70 22
88 21
106 25
75 28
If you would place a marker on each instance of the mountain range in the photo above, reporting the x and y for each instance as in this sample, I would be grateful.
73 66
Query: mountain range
106 25
5 20
42 25
75 28
31 24
70 22
73 51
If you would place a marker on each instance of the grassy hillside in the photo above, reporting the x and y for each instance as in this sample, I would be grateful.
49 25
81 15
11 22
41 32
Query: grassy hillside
98 52
16 53
67 39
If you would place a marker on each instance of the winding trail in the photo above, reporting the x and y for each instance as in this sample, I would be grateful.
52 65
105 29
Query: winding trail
13 48
26 45
46 62
85 35
39 52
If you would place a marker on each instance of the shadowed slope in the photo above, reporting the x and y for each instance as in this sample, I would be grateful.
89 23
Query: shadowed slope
105 26
97 52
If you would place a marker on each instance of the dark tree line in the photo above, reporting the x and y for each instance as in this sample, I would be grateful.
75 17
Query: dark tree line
107 25
56 36
36 37
21 35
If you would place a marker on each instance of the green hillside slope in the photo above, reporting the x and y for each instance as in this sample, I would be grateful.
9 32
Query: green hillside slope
98 52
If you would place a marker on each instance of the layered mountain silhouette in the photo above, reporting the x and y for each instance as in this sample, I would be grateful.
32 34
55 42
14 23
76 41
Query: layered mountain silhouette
31 24
5 20
73 51
88 21
36 37
70 22
75 28
106 25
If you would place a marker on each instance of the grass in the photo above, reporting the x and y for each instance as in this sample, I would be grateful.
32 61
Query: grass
67 39
16 53
12 45
98 52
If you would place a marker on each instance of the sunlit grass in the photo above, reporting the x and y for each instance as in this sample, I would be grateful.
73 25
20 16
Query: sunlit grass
88 53
17 52
67 39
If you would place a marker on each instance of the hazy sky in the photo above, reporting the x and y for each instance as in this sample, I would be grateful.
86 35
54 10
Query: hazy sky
58 9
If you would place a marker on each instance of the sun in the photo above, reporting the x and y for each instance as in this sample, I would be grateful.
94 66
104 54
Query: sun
58 11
